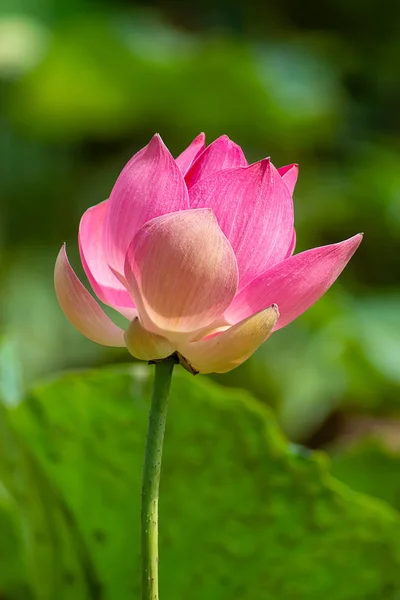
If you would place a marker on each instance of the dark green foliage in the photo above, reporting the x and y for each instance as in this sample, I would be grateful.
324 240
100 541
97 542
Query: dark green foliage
243 514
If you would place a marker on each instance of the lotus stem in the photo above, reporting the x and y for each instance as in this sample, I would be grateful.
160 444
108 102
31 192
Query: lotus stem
151 477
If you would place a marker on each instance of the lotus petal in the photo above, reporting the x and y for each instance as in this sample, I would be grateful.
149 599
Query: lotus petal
151 184
254 209
189 155
225 351
144 344
95 261
222 153
184 268
289 175
294 284
81 309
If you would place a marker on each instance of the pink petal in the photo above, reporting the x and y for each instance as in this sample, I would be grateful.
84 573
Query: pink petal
188 156
146 345
289 175
151 184
294 284
134 290
225 351
292 245
95 261
221 154
185 270
81 309
255 211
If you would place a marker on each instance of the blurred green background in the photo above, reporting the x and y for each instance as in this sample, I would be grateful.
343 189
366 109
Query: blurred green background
83 85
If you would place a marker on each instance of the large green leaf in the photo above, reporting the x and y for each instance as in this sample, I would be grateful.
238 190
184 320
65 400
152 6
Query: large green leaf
243 514
13 576
370 466
57 563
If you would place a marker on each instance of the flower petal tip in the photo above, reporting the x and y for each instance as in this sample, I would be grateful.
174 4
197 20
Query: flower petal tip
262 165
289 174
276 309
156 142
355 241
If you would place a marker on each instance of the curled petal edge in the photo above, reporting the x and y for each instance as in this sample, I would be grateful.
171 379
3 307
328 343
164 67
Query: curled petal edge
81 309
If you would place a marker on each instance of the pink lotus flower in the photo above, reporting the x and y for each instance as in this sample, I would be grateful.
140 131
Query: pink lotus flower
196 253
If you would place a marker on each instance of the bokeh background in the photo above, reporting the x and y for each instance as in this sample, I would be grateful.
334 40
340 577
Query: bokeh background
83 85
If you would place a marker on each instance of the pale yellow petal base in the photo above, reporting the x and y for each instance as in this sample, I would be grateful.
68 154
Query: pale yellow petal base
145 345
229 349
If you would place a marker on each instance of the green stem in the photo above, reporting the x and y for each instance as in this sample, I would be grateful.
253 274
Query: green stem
151 478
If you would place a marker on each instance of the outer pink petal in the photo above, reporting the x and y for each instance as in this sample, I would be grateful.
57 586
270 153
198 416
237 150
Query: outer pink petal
292 245
185 270
289 175
188 156
221 154
254 209
225 351
151 184
95 261
81 309
133 287
294 284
